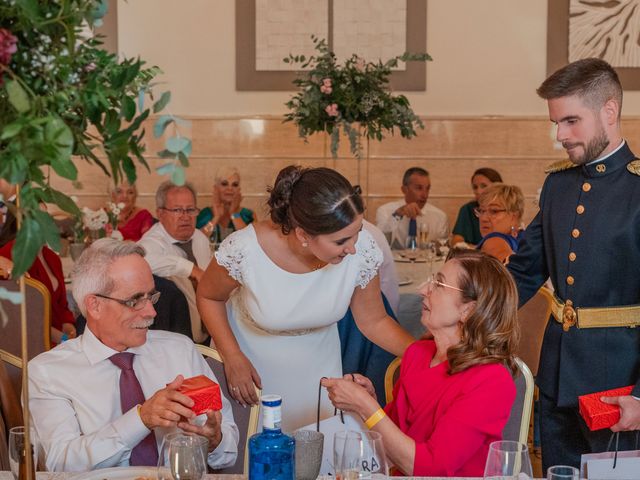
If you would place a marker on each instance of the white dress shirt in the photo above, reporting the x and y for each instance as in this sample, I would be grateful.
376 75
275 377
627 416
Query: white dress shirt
167 259
387 271
74 396
398 229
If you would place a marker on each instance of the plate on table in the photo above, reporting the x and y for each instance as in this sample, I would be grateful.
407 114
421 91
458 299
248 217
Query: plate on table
400 259
119 473
404 281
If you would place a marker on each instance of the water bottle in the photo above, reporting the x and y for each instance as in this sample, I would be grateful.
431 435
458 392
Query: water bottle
271 452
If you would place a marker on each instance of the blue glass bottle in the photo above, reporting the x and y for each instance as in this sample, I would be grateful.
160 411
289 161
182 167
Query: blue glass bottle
271 452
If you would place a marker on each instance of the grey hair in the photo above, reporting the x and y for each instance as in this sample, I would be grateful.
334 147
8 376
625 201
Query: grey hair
89 273
166 187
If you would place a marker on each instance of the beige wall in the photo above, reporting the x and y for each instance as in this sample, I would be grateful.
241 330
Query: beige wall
489 57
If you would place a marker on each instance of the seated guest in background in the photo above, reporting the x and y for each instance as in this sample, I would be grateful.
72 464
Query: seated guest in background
455 392
108 397
225 215
394 218
47 269
175 248
467 227
500 213
133 221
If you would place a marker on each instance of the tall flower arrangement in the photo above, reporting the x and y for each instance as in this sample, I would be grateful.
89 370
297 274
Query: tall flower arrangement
352 96
62 97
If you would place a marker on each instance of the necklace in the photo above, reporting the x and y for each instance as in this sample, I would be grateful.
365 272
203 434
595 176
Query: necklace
127 216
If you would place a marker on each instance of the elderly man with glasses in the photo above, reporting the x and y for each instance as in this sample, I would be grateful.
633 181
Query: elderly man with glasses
176 249
107 398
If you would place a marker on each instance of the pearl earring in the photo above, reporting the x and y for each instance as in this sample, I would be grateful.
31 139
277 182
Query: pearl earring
305 244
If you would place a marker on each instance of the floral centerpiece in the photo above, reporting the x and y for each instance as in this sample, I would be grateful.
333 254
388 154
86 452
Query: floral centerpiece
350 97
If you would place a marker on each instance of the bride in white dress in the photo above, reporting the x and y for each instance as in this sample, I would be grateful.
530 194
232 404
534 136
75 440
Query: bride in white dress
272 299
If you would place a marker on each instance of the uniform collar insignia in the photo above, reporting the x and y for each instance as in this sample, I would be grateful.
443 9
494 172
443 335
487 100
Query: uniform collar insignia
559 166
634 167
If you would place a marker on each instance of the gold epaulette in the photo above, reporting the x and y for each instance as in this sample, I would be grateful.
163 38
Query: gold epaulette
559 166
634 167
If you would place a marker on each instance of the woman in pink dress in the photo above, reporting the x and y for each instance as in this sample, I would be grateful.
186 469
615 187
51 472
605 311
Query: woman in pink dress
455 391
133 221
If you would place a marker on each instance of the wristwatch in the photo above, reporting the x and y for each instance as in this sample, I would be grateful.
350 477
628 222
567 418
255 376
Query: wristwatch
397 216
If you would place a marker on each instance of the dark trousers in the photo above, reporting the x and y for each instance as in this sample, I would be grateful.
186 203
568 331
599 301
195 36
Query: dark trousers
565 436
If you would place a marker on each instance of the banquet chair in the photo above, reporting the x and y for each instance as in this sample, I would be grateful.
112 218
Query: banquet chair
38 303
391 377
246 418
10 411
533 317
517 427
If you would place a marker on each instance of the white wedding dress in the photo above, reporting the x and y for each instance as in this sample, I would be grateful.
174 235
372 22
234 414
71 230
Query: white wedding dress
285 323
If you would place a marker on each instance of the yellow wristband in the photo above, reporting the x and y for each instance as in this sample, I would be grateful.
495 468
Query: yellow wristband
373 420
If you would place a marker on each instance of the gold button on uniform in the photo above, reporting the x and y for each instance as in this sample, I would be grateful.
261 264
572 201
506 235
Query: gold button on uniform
601 168
575 233
580 209
570 280
572 257
586 186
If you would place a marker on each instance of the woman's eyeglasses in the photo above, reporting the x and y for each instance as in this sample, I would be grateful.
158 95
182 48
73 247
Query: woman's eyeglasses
432 283
225 183
491 212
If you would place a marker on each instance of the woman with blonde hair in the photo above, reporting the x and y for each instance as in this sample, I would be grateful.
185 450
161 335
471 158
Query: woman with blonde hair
133 221
455 392
500 212
225 215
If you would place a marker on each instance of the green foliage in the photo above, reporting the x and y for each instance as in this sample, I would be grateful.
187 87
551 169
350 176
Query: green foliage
333 96
63 97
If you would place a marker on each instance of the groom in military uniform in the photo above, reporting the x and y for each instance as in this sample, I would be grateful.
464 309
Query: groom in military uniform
586 238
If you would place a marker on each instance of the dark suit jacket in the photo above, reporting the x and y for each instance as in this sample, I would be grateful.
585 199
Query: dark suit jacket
593 212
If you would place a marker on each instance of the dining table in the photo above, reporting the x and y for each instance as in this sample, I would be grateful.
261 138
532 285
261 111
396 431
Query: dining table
105 475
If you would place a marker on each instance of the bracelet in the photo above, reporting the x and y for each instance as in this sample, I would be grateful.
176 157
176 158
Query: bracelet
235 216
375 417
64 338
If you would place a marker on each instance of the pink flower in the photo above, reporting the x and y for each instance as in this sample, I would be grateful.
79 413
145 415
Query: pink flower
326 82
90 67
8 46
332 110
325 89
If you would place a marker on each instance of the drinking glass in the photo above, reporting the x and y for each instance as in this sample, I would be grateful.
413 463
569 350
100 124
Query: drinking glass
373 461
346 454
17 452
423 234
309 446
412 248
508 459
563 472
183 456
359 456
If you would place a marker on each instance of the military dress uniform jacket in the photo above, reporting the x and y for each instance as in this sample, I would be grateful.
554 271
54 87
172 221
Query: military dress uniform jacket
586 238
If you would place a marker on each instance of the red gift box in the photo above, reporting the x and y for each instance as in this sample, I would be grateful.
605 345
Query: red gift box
596 413
204 392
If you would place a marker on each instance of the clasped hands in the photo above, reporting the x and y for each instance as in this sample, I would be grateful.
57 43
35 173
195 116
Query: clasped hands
170 408
352 393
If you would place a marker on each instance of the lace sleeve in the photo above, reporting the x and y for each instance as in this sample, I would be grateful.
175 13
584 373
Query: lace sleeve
230 255
370 259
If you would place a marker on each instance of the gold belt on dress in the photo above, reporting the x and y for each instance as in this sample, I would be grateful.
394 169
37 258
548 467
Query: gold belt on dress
594 317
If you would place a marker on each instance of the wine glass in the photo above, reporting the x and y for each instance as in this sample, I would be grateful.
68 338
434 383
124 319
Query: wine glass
443 246
17 452
412 248
183 457
508 459
563 472
430 254
346 454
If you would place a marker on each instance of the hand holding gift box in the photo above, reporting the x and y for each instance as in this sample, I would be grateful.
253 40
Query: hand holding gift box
598 414
204 392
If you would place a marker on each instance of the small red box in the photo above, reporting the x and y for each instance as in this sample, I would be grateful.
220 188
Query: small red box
204 392
596 413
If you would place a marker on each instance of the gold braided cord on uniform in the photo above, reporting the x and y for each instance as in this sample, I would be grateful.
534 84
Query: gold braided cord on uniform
634 167
559 166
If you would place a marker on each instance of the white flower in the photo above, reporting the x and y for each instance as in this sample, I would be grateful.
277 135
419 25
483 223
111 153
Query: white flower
94 219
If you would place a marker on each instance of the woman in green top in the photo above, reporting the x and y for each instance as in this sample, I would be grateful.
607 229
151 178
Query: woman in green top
225 215
467 227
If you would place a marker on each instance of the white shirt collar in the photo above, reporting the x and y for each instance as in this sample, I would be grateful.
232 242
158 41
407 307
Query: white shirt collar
96 351
602 159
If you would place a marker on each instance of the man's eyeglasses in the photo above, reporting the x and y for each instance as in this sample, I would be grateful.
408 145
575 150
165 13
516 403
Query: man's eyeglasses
138 302
192 212
432 282
491 212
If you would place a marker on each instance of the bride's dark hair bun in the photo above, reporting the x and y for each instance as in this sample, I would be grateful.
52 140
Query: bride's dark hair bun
318 200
